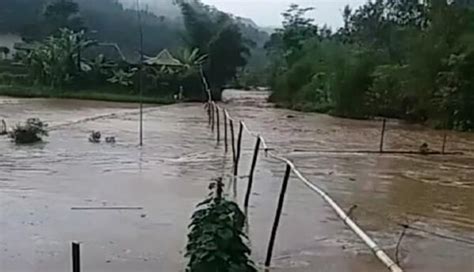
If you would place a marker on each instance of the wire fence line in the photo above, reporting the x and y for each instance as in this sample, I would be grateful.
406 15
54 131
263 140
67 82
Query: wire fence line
409 225
211 108
354 207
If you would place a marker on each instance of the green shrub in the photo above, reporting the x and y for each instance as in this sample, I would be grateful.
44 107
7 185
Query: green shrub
11 79
216 239
7 66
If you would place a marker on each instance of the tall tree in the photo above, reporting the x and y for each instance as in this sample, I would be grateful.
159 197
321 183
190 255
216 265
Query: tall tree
63 14
215 34
227 53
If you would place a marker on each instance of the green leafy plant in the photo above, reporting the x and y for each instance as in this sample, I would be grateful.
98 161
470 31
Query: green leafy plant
216 241
57 60
122 77
29 132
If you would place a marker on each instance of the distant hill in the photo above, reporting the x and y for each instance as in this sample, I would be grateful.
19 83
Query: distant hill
115 21
269 29
158 7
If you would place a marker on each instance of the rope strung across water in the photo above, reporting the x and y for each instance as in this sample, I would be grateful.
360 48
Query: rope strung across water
378 252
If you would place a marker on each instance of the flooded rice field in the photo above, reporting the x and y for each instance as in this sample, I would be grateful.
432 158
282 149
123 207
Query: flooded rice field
40 186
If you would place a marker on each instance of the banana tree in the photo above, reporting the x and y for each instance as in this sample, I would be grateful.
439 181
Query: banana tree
58 59
98 69
122 77
191 58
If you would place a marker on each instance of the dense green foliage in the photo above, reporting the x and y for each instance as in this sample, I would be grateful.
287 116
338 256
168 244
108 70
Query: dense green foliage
218 36
101 94
73 44
57 60
216 237
395 58
106 21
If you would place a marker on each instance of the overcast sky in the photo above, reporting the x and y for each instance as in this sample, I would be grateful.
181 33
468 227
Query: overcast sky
268 12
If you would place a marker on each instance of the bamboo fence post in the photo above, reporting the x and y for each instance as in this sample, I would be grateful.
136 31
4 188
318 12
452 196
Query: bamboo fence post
232 137
209 113
382 135
218 128
277 216
76 257
397 248
443 147
252 170
225 131
239 144
212 117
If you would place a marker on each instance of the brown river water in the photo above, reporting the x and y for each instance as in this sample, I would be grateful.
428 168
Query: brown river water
40 184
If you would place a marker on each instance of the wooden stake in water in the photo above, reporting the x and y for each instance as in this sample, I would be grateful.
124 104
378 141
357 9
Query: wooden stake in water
225 132
281 200
232 138
76 257
443 148
218 125
140 71
239 144
252 170
213 123
382 135
208 105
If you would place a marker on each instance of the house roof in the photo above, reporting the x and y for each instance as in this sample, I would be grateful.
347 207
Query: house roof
25 46
164 58
110 51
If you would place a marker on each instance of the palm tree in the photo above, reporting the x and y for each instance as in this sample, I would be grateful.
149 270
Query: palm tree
58 59
191 58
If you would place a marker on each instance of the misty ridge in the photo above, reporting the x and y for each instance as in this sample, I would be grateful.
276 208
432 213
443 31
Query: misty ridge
115 21
158 7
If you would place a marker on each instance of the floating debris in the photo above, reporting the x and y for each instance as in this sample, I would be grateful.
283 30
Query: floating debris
424 149
95 137
3 130
110 140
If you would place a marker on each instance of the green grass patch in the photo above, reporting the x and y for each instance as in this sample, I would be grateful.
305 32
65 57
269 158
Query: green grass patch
97 94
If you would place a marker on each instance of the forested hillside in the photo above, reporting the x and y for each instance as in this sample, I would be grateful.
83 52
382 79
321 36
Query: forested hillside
393 58
111 21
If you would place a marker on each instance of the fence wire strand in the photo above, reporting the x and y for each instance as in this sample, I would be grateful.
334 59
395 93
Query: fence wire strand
409 225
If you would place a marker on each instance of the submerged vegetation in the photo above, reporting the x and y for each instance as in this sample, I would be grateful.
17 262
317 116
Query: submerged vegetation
30 132
393 58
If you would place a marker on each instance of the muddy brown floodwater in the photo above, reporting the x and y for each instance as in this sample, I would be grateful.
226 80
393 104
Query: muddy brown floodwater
40 184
